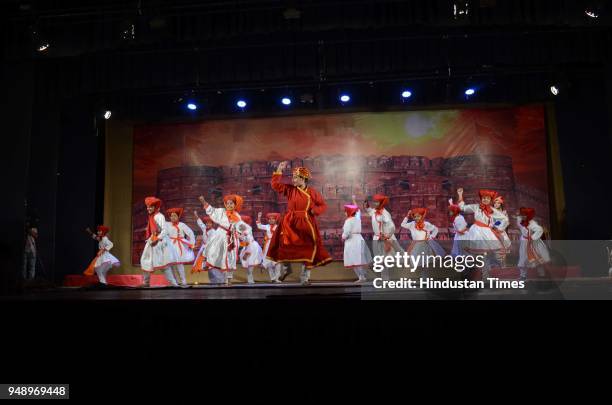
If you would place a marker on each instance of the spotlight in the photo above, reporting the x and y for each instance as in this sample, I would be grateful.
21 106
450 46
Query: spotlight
241 103
286 101
592 13
406 94
107 114
345 98
470 92
44 45
554 90
192 106
461 9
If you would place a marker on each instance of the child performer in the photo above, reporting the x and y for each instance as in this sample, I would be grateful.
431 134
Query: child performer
298 239
183 241
251 254
356 252
500 223
533 252
422 234
384 242
207 226
221 250
460 228
480 238
274 269
158 252
102 263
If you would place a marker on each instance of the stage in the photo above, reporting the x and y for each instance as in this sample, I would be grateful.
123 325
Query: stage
537 289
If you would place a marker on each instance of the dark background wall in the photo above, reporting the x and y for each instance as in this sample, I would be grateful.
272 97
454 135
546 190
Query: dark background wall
142 59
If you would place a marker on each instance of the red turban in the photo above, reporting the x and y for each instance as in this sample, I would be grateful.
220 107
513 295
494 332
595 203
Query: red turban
487 193
153 202
382 201
528 213
274 215
103 229
177 211
246 219
454 208
422 212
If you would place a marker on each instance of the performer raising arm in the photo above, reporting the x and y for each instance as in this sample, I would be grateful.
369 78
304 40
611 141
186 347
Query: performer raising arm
274 269
298 239
221 250
102 263
480 237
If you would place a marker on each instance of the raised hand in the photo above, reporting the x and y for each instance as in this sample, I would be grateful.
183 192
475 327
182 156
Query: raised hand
282 166
202 200
195 214
259 216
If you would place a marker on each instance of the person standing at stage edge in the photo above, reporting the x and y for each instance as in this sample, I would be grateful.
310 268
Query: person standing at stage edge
297 238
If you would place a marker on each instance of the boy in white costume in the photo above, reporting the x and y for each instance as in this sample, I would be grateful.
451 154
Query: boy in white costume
500 224
422 234
481 240
274 268
356 253
207 226
533 252
221 250
158 253
183 241
384 242
251 255
459 228
104 261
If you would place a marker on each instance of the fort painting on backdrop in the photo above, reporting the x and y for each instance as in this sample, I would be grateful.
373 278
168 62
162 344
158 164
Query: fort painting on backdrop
418 158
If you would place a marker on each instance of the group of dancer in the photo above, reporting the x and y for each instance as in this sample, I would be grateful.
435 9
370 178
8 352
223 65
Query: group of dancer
294 237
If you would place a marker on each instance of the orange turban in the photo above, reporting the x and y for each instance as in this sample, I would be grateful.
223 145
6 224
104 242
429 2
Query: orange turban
177 211
302 172
236 199
487 193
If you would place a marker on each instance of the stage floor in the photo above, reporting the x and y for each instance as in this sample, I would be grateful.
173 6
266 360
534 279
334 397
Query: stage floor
567 289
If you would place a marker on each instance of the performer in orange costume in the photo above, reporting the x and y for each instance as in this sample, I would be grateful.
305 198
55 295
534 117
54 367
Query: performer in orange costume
297 237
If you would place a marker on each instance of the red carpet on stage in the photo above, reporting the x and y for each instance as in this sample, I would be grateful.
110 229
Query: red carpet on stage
124 280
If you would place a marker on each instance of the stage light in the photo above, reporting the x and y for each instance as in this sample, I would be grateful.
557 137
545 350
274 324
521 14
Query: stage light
345 98
192 106
554 90
592 13
107 114
43 46
470 92
461 9
406 94
286 101
241 104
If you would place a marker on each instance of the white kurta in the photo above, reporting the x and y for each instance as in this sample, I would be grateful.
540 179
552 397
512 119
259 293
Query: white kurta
356 251
460 228
533 251
422 239
500 223
480 237
183 241
105 244
163 253
269 230
382 224
255 256
221 250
